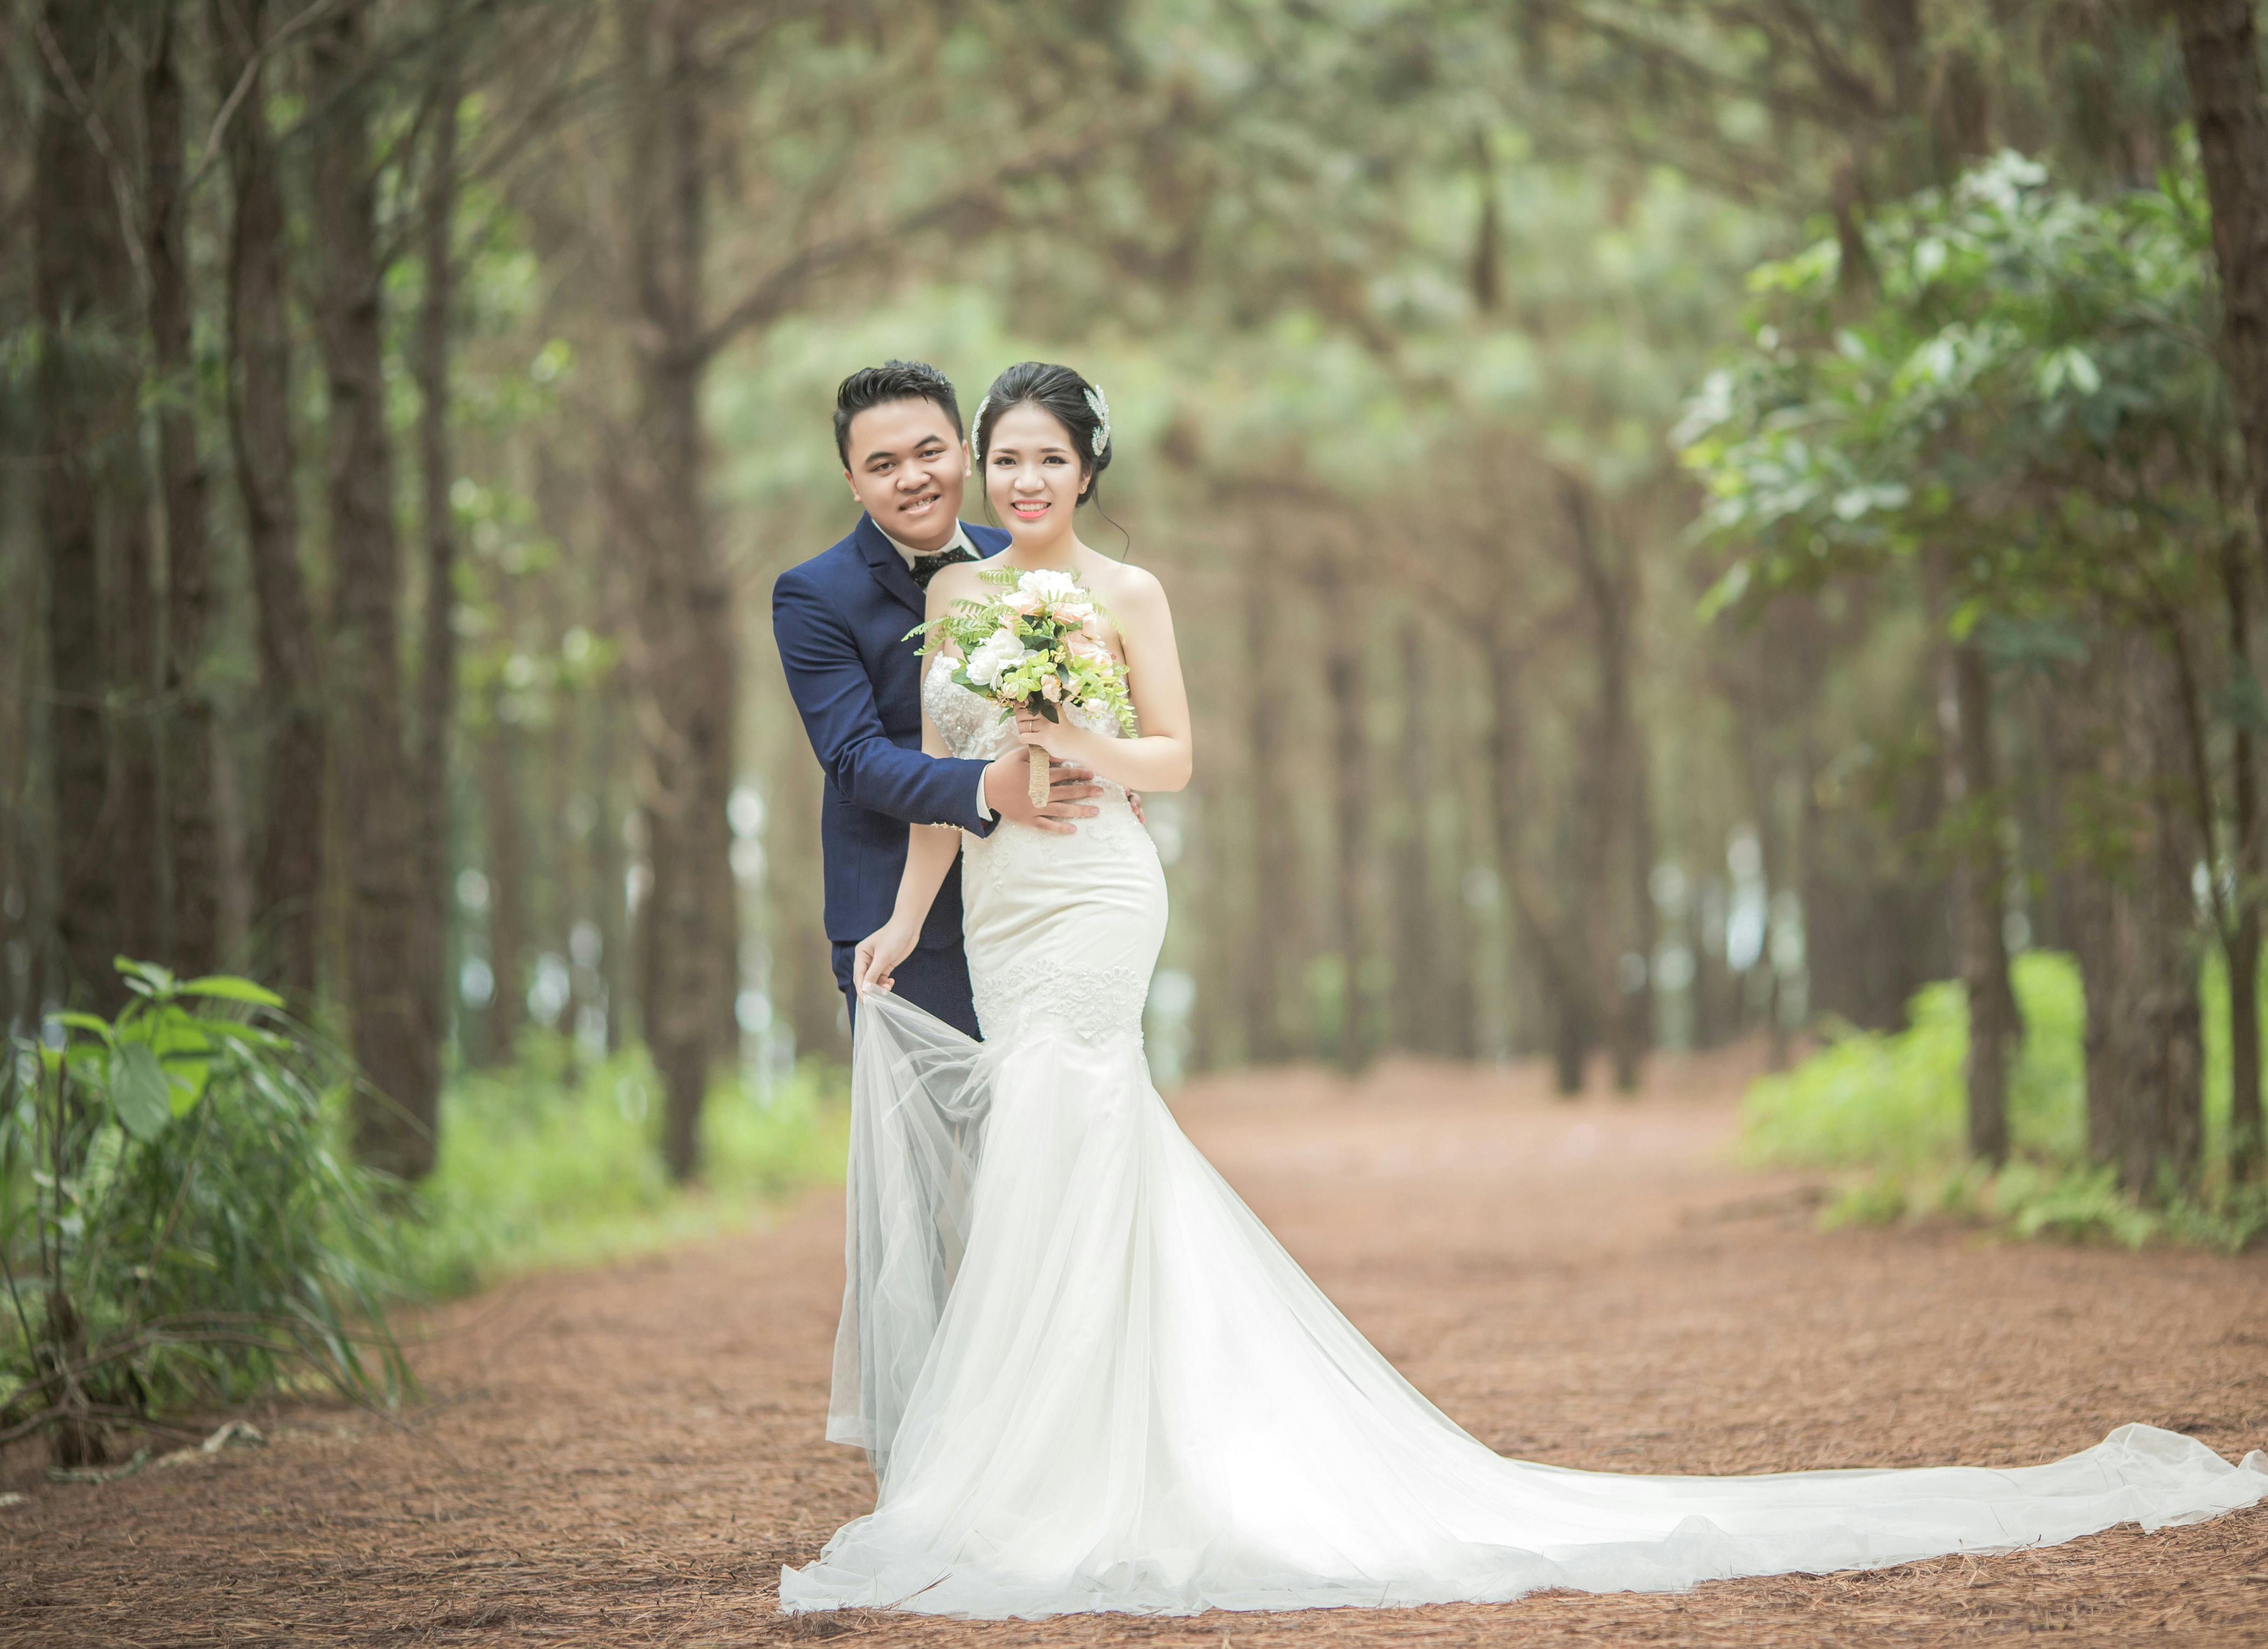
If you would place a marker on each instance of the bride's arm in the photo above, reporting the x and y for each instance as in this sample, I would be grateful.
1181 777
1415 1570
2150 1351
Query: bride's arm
1162 758
929 850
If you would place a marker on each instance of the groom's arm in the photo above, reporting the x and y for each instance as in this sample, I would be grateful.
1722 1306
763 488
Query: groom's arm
836 699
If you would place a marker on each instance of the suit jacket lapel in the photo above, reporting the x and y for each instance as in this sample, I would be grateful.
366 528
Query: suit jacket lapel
888 567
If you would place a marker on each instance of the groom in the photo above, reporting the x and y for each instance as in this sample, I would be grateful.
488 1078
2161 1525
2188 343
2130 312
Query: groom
841 619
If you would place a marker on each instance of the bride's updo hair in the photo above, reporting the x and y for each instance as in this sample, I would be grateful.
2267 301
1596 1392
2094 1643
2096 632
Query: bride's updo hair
1064 395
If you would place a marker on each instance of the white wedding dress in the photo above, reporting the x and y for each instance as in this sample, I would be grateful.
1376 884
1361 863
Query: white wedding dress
1089 1380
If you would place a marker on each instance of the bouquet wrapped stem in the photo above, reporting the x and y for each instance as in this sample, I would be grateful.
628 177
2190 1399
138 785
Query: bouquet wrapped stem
1039 786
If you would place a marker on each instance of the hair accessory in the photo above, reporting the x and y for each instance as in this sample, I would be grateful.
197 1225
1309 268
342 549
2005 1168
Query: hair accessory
1101 409
976 429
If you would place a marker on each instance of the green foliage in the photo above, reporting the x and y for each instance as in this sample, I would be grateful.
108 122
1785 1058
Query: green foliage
176 1227
1892 1107
1894 1102
544 1166
2067 1202
2016 369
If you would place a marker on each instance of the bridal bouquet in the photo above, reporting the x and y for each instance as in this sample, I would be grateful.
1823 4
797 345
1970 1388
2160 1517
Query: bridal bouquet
1032 644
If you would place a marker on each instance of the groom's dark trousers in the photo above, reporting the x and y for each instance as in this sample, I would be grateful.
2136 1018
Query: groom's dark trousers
841 619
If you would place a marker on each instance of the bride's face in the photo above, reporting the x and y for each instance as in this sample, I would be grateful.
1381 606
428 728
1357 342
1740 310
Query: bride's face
1032 472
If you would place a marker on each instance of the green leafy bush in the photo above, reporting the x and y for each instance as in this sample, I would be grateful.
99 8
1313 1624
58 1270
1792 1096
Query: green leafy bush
1893 1101
1892 1106
546 1164
175 1227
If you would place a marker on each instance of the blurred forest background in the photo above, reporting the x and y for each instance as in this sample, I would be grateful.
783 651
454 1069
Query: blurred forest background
1687 518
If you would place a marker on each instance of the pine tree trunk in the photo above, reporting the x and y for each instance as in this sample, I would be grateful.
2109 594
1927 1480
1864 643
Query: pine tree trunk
1992 1028
507 872
689 667
75 228
394 1113
1612 930
2242 946
1343 690
1968 779
2150 1061
2220 54
437 683
1419 936
608 870
1274 850
563 879
192 828
1529 928
1762 774
288 881
25 881
130 553
131 601
1635 1035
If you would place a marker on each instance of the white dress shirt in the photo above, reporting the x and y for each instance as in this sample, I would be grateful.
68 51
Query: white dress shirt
959 540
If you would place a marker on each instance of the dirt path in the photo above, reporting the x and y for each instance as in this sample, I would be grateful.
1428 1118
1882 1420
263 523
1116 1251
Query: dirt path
626 1457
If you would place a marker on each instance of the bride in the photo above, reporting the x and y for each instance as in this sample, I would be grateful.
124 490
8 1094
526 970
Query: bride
1088 1377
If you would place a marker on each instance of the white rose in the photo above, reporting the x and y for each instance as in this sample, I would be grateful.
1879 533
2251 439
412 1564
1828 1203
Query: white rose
1049 590
997 652
1049 586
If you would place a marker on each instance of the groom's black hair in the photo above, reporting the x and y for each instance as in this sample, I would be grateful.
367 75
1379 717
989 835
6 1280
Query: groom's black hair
892 380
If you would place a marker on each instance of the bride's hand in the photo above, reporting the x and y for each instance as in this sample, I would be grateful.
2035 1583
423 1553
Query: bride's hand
875 962
1054 737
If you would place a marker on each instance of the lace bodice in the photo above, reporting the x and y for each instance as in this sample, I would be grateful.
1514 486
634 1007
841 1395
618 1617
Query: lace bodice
1094 1004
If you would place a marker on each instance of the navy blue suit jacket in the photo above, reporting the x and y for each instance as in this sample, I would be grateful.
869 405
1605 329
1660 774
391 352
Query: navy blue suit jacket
841 619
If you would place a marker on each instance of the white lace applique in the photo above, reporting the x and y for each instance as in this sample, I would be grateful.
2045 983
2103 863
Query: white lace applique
1010 854
974 728
1094 1003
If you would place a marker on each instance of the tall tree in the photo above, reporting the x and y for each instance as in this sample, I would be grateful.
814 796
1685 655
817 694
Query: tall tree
1425 974
687 666
2151 1058
193 837
288 881
437 681
394 1113
2221 49
1275 861
1346 616
2248 1139
85 404
1614 910
1971 794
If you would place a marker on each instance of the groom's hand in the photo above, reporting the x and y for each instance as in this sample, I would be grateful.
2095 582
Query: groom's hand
1008 792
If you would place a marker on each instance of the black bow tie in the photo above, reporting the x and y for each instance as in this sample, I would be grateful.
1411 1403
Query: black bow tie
925 566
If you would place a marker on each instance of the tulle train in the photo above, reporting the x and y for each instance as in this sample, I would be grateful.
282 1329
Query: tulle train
1090 1379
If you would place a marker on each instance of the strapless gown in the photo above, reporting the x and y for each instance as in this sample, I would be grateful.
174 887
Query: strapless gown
1089 1380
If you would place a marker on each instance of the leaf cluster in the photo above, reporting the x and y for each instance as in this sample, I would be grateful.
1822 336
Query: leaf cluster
176 1227
2020 379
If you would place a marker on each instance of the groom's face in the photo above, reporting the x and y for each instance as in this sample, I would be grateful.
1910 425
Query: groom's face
907 468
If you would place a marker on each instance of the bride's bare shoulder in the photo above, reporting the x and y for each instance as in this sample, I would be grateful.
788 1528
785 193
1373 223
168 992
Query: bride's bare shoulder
957 582
1123 585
